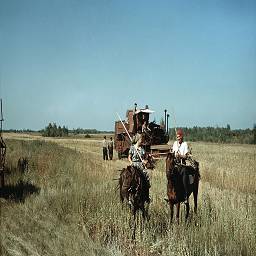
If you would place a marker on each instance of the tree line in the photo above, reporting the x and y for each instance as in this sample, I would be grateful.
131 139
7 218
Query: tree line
218 134
52 130
88 131
207 134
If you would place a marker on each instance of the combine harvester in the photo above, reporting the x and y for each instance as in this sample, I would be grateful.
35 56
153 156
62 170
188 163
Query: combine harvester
137 121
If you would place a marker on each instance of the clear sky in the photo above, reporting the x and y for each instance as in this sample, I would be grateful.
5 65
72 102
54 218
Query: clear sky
79 62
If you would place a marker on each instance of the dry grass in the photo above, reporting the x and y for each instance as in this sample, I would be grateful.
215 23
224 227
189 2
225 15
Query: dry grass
76 210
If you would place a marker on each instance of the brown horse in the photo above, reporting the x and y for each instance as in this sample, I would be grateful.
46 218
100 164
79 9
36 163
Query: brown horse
134 188
175 188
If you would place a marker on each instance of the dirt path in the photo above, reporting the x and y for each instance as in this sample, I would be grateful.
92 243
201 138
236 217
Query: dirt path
87 146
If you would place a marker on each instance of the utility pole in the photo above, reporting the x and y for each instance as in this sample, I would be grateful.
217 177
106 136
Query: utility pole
2 148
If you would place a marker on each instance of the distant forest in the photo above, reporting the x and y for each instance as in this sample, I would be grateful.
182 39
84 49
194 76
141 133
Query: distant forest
218 134
52 130
208 134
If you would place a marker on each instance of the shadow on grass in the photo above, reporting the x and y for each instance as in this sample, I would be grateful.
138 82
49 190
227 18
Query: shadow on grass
18 192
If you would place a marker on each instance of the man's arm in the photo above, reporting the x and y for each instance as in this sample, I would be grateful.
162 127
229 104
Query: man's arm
129 159
130 155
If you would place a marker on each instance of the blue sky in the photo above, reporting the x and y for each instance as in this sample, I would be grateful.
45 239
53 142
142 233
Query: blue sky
78 63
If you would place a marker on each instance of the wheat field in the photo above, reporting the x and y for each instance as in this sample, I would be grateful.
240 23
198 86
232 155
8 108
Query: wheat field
67 203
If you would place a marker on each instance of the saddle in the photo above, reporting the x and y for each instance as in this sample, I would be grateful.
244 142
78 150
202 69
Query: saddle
192 164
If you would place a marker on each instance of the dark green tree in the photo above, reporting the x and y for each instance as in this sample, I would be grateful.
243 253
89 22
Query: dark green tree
52 130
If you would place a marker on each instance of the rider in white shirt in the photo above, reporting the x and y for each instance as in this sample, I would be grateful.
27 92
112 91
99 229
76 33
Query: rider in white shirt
181 150
180 147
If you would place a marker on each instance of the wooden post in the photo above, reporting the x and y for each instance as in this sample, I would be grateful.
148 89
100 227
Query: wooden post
2 148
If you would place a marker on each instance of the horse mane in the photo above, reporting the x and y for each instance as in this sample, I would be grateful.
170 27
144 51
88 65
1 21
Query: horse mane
169 161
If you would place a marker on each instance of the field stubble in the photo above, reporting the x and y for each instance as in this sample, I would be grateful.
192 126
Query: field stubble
76 209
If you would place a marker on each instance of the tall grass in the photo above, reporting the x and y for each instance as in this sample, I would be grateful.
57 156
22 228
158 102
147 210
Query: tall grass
76 210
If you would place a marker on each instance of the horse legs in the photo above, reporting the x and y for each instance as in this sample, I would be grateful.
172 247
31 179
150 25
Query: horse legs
144 218
178 212
195 201
195 193
144 213
187 210
171 208
134 225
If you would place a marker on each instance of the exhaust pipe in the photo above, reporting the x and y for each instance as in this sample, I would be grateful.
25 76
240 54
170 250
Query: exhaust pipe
167 129
165 119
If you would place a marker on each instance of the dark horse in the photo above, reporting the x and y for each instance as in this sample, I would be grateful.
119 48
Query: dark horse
134 188
175 188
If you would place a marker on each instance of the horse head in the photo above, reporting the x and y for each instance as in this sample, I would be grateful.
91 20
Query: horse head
126 176
150 162
170 163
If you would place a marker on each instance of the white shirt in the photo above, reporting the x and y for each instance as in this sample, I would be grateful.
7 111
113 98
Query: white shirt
104 143
182 148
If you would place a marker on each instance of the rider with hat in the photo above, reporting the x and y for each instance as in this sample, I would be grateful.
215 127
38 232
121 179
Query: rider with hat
136 157
181 151
180 147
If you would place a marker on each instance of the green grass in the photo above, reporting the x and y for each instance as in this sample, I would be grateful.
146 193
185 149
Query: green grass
77 210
